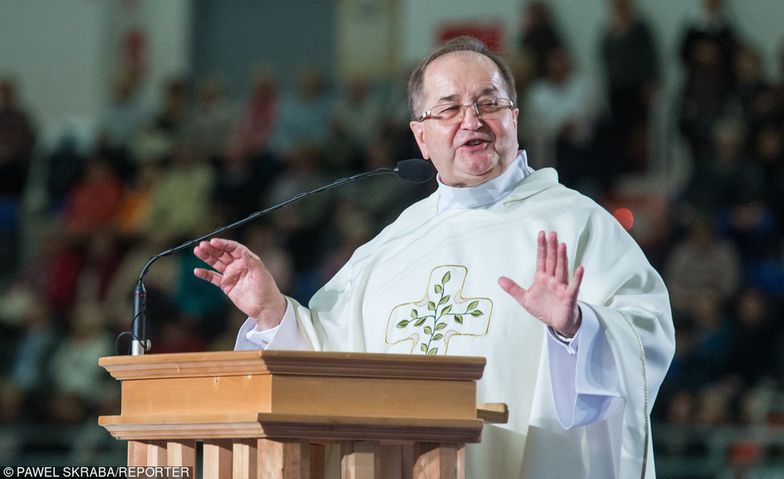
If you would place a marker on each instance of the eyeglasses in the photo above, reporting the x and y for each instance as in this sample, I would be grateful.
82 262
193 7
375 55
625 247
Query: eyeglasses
451 113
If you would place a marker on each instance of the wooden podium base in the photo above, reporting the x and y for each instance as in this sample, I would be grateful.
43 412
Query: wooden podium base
276 414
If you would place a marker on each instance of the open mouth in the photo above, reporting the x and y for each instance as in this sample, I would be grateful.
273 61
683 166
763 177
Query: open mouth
474 143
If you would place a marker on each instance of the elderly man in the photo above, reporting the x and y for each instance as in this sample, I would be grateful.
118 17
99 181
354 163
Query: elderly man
578 355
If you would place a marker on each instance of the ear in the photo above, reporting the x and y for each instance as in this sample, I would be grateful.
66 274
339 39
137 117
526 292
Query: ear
515 114
418 129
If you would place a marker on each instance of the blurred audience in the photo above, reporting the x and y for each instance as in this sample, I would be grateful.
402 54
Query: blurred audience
539 35
631 70
157 176
17 141
559 119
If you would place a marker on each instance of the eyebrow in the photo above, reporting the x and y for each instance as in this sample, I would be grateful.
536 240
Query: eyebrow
452 98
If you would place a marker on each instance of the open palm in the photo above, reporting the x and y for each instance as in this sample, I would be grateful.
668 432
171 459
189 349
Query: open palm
551 298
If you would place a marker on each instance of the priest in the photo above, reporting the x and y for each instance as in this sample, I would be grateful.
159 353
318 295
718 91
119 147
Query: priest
503 262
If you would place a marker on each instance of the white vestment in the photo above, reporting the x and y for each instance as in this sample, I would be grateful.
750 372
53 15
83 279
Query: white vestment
427 284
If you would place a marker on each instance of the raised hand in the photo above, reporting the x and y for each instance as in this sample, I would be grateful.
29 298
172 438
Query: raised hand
551 299
241 275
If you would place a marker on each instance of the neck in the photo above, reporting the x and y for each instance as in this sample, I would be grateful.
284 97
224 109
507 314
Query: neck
486 194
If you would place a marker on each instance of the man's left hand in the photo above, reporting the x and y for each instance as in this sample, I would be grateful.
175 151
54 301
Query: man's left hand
551 299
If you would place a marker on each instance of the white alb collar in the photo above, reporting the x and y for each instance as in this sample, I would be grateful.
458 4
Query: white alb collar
486 194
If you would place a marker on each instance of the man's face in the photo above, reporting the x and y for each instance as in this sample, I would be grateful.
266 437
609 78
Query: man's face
474 150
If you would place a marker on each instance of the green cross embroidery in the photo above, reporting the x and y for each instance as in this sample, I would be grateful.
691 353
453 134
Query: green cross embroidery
441 314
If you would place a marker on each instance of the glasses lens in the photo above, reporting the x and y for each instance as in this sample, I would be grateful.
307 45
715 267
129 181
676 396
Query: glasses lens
446 112
489 107
451 112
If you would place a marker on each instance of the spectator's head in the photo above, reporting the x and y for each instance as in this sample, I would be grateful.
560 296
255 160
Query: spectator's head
769 145
212 90
89 320
707 311
701 230
358 89
536 14
175 96
264 87
729 136
748 66
7 93
714 405
707 54
312 83
713 7
622 10
752 308
124 89
559 65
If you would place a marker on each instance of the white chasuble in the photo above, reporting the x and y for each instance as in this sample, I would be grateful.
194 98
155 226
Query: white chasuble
427 284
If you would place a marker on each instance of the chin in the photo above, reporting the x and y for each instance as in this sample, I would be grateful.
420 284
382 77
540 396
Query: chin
480 166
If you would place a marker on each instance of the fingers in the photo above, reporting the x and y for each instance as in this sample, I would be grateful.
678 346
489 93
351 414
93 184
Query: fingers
551 257
514 289
218 252
541 252
552 253
209 255
561 265
577 279
208 275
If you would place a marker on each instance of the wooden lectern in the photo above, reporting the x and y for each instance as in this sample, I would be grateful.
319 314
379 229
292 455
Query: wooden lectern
277 414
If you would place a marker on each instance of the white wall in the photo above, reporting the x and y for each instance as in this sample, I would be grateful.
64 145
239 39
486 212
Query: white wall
54 51
65 54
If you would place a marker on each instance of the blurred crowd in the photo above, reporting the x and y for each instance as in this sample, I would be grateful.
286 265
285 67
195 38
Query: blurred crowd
203 156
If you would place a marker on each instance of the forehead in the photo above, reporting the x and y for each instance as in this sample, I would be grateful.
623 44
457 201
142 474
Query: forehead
461 74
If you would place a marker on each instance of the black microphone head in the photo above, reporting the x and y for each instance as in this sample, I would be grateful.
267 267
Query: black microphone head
415 170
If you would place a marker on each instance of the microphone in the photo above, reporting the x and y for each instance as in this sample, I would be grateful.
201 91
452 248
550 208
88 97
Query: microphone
413 170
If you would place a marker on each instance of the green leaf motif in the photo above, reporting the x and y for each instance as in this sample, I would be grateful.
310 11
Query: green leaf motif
440 326
423 347
403 323
420 322
414 313
431 306
432 352
476 313
446 310
472 305
458 319
428 330
443 300
438 289
438 336
447 276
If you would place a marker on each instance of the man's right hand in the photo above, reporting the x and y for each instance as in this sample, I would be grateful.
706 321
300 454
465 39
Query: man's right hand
241 275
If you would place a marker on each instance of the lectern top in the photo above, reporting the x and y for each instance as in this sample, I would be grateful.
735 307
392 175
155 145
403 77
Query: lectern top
294 363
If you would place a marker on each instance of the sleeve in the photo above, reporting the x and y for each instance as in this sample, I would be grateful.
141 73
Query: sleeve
626 342
286 335
585 385
332 321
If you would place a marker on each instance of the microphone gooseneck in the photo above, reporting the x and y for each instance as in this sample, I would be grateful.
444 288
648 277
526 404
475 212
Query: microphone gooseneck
414 170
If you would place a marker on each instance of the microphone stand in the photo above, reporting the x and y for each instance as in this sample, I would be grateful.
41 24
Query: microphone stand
139 343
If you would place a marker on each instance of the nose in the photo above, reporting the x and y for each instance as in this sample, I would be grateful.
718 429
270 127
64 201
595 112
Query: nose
471 121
